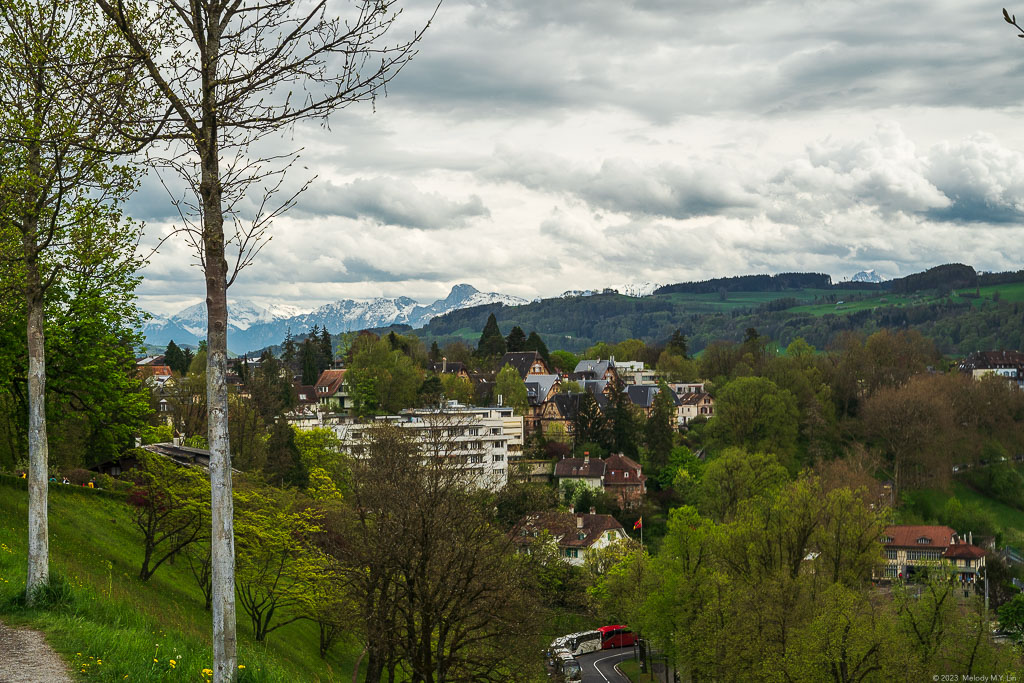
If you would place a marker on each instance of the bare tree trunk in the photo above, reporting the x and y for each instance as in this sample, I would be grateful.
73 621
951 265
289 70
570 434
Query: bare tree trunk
222 543
38 447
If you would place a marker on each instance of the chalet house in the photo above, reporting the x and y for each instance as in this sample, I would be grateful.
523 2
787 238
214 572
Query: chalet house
909 549
595 369
562 409
1008 364
693 405
526 363
445 367
331 391
624 480
588 470
576 535
540 389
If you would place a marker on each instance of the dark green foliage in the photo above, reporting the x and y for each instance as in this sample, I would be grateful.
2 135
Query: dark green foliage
430 391
326 349
949 276
660 430
435 352
589 424
310 366
175 359
678 344
271 391
491 342
535 343
284 466
624 423
516 340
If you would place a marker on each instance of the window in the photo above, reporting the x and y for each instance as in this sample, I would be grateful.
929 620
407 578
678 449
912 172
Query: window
924 540
581 535
498 457
474 459
886 539
891 553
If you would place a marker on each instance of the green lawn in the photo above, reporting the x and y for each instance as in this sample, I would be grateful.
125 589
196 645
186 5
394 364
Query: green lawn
1009 519
112 617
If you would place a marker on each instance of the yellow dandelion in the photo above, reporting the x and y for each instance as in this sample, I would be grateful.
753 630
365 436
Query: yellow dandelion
172 663
207 672
155 660
241 666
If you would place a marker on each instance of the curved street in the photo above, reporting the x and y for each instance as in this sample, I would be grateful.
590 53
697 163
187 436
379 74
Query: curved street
599 667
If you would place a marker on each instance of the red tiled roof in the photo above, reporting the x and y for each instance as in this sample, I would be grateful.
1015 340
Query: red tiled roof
962 551
331 379
911 536
618 466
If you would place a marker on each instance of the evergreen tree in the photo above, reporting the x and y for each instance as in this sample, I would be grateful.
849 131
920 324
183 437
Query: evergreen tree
288 351
243 369
271 389
516 340
188 357
310 367
435 352
623 422
678 344
589 424
174 358
491 342
660 428
535 343
326 348
284 465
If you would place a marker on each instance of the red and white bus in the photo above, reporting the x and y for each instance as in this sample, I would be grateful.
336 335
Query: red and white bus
616 636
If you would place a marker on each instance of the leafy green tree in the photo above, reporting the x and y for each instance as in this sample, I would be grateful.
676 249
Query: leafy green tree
1011 617
320 448
676 367
171 508
511 387
457 388
735 475
678 344
564 360
516 340
491 343
380 379
61 225
276 558
753 413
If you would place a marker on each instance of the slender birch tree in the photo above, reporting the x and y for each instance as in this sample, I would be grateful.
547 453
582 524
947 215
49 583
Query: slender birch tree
230 73
59 192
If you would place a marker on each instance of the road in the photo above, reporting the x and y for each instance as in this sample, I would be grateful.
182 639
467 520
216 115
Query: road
599 667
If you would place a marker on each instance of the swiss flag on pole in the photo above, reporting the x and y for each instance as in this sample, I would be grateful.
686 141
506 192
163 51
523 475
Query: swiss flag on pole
638 524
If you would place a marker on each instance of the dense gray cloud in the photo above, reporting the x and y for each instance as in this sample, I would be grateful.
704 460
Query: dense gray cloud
535 146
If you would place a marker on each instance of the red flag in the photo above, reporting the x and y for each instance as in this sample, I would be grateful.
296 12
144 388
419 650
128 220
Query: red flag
638 524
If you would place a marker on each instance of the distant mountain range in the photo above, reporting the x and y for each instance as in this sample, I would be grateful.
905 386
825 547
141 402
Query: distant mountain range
251 326
867 276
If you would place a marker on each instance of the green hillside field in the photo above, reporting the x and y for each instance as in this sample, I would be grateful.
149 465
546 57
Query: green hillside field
111 626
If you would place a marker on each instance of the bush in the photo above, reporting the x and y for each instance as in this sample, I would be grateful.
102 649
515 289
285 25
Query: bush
79 477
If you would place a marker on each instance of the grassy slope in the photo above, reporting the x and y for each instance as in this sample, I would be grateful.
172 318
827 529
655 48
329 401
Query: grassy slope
1009 519
126 623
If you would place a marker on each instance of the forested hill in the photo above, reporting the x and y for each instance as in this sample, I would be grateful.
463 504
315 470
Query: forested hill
959 309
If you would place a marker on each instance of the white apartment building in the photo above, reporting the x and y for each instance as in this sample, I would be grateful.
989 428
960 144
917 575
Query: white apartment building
479 439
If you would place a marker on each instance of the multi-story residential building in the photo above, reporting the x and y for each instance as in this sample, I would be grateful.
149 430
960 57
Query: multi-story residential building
909 549
1008 364
633 372
479 440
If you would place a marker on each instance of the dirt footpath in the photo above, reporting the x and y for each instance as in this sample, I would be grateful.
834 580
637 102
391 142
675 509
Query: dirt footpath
25 657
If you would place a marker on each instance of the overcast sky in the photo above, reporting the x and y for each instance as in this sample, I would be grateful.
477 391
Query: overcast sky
535 146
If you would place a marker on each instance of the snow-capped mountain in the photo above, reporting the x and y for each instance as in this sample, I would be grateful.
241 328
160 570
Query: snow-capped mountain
637 289
242 314
634 289
867 276
251 326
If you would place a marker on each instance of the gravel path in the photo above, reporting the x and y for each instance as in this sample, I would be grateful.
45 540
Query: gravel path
26 657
